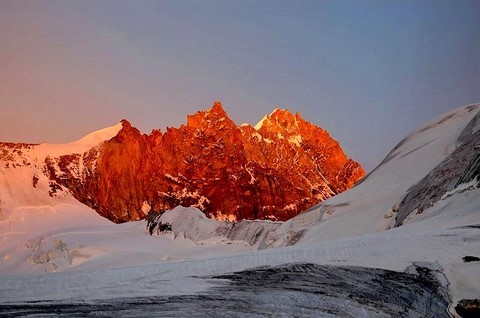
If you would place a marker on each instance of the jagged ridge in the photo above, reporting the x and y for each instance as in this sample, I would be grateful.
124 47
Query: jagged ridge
273 171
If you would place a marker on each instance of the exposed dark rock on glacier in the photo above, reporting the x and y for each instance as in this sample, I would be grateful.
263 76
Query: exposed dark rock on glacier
468 259
468 308
292 290
348 291
460 167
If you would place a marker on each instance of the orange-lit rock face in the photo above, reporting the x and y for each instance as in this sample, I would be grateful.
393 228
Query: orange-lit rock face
273 171
231 172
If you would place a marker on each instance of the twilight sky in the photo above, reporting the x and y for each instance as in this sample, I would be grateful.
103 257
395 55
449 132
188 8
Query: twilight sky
367 71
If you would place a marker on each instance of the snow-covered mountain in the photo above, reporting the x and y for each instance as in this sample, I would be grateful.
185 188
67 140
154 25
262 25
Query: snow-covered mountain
275 171
404 242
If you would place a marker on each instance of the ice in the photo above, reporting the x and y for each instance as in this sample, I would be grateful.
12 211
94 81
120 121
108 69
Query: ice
88 258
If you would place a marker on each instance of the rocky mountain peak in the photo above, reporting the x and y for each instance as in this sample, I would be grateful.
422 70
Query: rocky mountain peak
127 131
273 171
217 107
279 114
213 117
281 120
125 123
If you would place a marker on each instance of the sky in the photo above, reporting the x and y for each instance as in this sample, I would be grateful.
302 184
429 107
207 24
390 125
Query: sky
368 71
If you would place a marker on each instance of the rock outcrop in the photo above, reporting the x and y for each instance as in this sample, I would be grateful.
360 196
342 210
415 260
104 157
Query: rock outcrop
458 172
274 170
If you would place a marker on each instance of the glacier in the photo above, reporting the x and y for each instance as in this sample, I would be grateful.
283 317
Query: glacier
61 257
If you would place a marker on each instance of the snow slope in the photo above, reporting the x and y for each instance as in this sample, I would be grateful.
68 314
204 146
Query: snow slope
94 259
80 146
19 165
367 207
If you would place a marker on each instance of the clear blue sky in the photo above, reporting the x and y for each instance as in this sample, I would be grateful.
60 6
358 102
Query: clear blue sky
367 71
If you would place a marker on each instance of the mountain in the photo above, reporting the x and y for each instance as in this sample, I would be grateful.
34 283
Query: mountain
418 211
274 170
404 242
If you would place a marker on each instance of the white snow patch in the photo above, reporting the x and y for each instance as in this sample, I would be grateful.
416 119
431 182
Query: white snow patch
171 178
252 177
462 188
295 139
257 135
219 216
260 123
146 207
291 206
80 146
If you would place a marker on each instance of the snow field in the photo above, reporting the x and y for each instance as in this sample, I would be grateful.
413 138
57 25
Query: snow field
90 258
